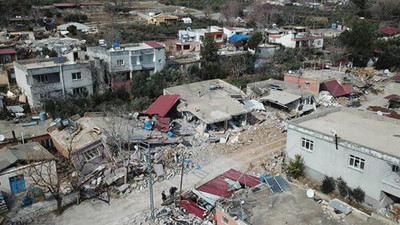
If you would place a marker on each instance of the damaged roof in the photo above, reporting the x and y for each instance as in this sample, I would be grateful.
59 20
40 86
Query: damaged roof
31 151
162 105
280 97
337 89
211 101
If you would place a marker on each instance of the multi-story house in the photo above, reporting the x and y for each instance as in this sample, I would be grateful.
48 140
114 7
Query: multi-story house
121 62
39 79
294 37
360 147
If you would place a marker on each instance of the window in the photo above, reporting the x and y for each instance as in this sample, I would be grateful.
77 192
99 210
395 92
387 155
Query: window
76 76
17 184
356 162
307 85
186 47
395 168
43 78
120 62
307 144
77 91
225 220
91 154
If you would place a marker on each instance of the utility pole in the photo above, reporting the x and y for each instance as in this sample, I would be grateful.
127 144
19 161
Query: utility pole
146 146
150 182
180 186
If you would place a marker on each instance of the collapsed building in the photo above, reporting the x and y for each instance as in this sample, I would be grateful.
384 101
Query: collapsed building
211 102
282 94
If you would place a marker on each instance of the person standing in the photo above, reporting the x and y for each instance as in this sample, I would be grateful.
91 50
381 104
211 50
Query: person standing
163 196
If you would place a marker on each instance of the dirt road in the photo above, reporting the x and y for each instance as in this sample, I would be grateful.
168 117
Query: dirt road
123 210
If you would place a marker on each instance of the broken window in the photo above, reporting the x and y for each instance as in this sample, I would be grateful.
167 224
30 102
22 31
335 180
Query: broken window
356 162
395 168
91 154
307 144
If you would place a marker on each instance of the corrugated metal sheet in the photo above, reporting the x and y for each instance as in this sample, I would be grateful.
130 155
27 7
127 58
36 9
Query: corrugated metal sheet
6 51
338 90
192 207
162 105
153 44
24 152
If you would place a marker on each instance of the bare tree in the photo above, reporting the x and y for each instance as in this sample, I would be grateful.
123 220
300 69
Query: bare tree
44 175
385 9
236 64
264 14
231 10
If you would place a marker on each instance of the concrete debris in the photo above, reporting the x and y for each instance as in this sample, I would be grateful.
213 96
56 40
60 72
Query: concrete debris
391 212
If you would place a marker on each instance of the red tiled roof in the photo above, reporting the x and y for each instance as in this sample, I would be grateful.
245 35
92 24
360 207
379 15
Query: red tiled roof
162 105
386 112
338 90
389 30
6 51
153 44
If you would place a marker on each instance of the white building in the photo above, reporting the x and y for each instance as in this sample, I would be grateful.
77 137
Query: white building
122 61
360 147
230 31
294 37
39 79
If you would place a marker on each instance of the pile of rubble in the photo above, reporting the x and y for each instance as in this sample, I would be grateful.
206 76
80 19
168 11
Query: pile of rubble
391 212
271 165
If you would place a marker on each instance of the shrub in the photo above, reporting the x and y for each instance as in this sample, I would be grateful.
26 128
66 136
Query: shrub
342 187
296 167
328 185
357 194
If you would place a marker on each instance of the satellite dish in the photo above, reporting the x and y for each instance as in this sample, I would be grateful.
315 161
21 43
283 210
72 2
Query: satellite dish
310 193
2 138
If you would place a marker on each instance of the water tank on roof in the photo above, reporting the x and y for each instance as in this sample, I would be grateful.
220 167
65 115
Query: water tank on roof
115 45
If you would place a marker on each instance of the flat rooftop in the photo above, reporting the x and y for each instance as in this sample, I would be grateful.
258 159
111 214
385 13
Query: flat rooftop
288 87
211 101
85 136
6 128
43 63
320 75
363 128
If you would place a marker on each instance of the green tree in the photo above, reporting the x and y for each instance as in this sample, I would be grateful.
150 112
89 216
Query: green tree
296 167
357 194
140 85
342 187
209 49
361 39
328 185
255 40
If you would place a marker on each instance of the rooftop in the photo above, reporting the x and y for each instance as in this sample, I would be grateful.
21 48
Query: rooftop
31 151
211 101
6 128
84 135
50 62
5 51
319 75
362 128
263 86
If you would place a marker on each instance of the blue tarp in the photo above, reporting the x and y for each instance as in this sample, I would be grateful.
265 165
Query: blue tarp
239 37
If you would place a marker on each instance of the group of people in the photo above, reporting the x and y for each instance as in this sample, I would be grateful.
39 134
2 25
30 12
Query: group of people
172 192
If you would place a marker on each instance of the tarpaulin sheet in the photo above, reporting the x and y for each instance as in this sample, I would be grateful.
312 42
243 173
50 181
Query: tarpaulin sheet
239 37
192 208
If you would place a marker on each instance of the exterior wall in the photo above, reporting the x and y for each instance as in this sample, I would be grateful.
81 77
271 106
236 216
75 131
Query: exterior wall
24 170
325 159
22 82
301 81
159 54
38 139
119 55
318 43
218 218
88 166
285 40
86 80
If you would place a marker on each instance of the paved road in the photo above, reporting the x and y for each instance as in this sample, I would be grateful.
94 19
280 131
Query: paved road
124 209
